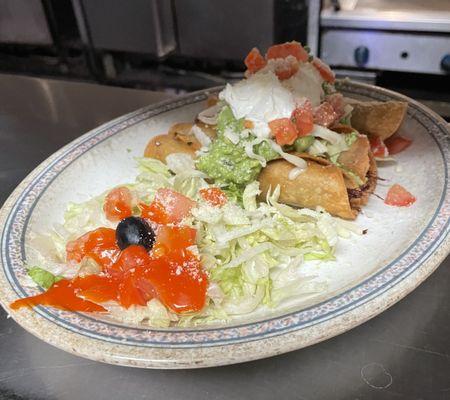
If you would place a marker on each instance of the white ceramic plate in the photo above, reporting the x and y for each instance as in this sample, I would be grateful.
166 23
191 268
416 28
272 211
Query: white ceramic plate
402 246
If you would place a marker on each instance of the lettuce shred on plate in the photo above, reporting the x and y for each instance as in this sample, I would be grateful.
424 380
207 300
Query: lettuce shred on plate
253 252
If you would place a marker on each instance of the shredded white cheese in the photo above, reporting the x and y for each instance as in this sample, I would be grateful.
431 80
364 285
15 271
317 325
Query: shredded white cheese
201 136
231 136
294 172
209 116
317 148
297 161
327 134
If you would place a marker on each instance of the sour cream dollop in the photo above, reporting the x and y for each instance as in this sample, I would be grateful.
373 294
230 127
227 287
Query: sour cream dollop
263 97
306 83
260 99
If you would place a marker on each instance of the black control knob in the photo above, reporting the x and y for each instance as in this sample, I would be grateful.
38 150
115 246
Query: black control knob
445 63
361 56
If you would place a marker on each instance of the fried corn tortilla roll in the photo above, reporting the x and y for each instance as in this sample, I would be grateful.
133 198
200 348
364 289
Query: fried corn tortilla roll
319 185
377 118
354 160
360 196
325 184
179 139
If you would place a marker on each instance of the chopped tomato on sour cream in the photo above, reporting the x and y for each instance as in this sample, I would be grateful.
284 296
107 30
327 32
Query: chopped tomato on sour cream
284 131
325 115
325 71
303 119
254 61
284 50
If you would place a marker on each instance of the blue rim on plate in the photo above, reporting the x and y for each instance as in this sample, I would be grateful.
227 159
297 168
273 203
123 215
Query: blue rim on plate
18 209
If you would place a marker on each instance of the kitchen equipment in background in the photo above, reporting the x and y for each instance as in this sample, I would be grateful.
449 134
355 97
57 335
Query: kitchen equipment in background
226 30
178 45
406 36
403 45
23 21
140 26
406 52
40 37
213 37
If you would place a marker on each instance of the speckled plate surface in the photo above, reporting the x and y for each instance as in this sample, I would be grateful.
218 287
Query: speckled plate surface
372 272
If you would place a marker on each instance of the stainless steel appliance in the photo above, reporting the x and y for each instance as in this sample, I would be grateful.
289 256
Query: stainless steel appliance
24 22
403 45
407 36
226 30
140 26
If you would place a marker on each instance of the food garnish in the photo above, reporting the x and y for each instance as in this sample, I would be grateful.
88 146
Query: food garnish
397 144
398 196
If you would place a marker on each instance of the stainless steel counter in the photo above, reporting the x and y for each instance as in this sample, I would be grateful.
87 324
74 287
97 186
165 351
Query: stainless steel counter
402 354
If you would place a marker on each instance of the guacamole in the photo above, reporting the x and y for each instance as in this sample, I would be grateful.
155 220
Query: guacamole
228 163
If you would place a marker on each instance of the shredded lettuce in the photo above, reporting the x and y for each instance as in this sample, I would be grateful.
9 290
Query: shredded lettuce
152 166
154 314
249 196
253 259
330 144
42 277
253 252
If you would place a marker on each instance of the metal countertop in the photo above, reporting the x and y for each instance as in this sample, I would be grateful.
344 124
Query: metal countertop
404 353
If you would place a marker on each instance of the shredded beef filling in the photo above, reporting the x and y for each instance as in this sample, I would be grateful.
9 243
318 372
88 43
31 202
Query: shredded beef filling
357 193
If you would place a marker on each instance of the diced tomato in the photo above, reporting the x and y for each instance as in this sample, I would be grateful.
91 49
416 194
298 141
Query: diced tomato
118 204
337 102
168 207
325 115
284 131
129 294
285 68
325 71
61 295
175 237
398 196
179 281
254 61
132 258
397 144
158 250
284 50
378 147
99 244
96 288
214 196
303 119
